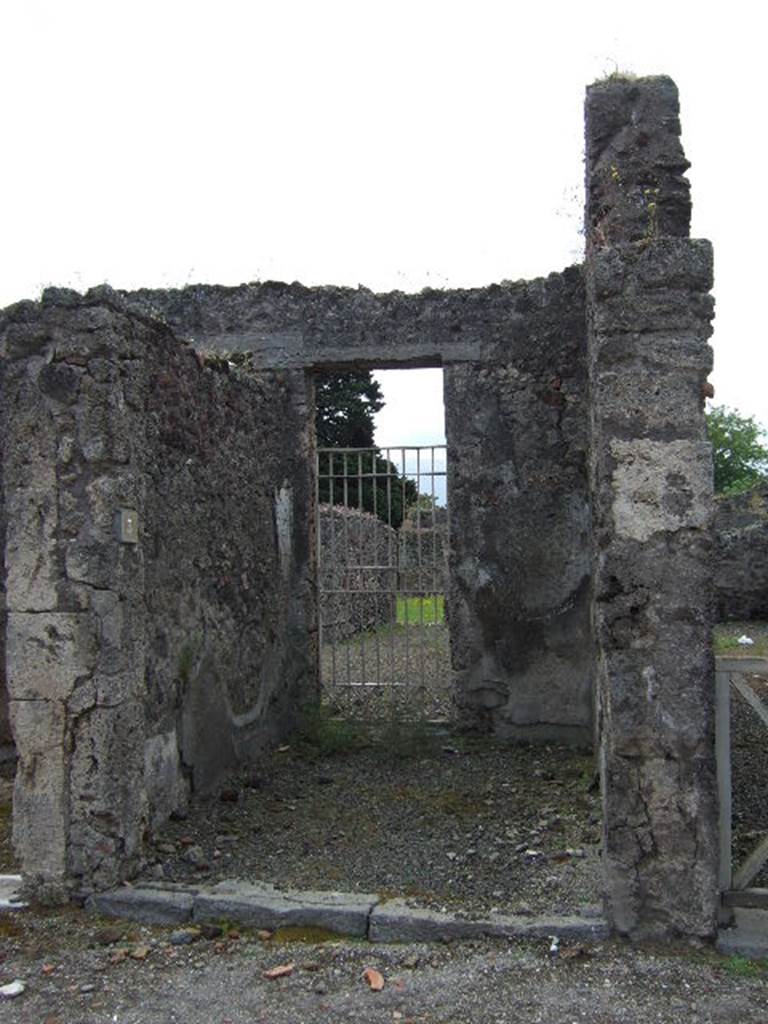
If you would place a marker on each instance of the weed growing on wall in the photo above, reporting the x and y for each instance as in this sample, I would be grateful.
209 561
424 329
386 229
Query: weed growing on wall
327 735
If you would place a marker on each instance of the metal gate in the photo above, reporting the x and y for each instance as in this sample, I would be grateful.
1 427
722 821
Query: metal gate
382 543
741 721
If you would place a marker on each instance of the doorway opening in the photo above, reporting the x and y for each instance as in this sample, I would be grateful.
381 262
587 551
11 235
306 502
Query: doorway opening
382 533
382 563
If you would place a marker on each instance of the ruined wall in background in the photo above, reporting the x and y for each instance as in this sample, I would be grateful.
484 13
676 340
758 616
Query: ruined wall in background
649 313
358 597
520 520
741 555
137 669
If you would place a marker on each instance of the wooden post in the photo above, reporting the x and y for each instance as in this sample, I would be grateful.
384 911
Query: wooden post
723 750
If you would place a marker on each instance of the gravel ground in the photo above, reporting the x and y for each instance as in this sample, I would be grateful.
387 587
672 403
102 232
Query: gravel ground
444 821
77 970
400 670
484 827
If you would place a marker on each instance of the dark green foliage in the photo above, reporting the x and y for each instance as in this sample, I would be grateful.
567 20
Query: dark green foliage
741 461
345 404
358 480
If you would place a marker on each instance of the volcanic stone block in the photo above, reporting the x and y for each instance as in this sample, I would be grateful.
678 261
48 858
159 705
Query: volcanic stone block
652 505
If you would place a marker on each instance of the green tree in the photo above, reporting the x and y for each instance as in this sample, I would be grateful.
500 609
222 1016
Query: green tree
366 481
741 460
345 405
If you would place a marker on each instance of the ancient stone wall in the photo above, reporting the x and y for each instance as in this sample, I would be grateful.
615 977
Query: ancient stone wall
357 558
649 312
291 326
129 673
140 665
229 583
422 550
741 555
520 521
515 405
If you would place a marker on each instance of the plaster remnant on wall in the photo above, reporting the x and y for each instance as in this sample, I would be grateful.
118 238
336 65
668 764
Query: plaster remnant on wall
48 652
167 787
660 486
284 524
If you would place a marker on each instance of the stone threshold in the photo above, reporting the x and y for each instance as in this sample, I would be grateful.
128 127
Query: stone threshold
354 915
748 934
10 893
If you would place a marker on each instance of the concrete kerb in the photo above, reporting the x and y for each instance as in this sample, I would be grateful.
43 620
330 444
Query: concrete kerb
356 915
395 921
748 935
10 893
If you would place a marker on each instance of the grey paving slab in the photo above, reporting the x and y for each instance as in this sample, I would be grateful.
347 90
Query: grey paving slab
395 921
261 905
148 906
10 893
360 915
749 935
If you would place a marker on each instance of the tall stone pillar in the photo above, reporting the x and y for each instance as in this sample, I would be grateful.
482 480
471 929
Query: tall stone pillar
649 315
71 448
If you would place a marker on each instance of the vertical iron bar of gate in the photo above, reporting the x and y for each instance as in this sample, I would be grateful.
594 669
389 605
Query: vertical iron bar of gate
394 576
390 638
345 521
362 574
319 570
433 579
419 575
333 580
376 560
403 507
395 569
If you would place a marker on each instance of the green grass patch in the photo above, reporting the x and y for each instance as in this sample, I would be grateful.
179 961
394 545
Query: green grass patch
447 802
404 734
725 639
428 610
328 735
310 935
10 929
725 644
743 967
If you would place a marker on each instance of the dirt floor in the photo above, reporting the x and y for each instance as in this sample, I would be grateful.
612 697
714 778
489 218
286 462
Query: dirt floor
442 820
445 821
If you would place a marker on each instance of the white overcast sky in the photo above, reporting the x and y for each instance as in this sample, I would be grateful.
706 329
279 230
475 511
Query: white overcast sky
391 144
